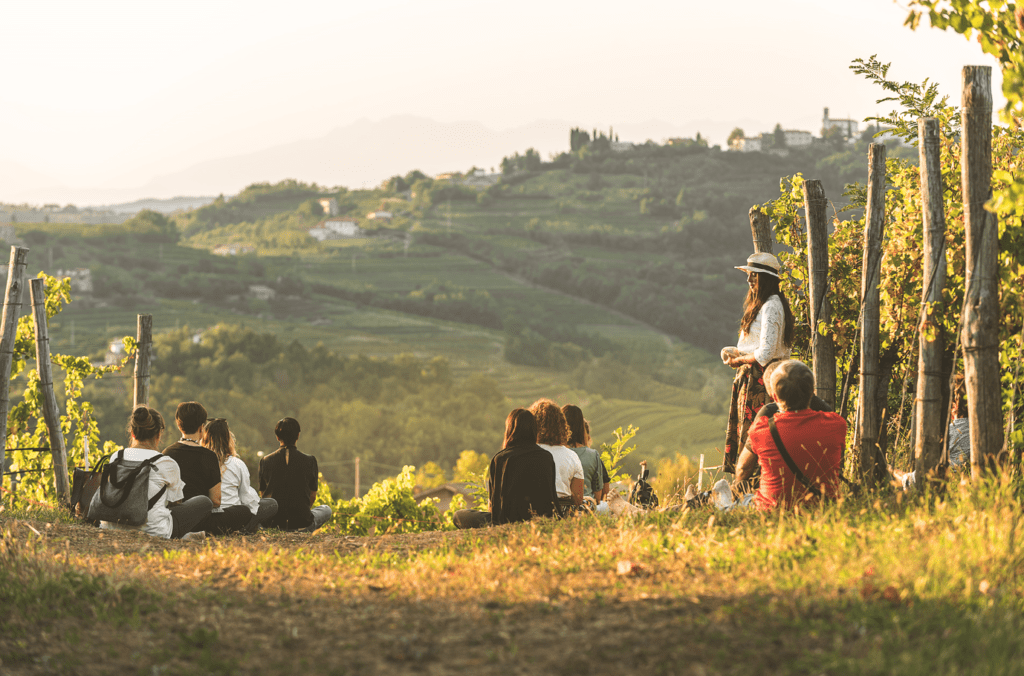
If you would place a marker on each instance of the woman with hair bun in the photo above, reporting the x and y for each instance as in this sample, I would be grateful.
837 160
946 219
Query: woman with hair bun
235 489
168 517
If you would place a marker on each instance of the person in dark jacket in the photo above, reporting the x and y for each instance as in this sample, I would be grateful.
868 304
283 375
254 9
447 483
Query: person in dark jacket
291 478
521 482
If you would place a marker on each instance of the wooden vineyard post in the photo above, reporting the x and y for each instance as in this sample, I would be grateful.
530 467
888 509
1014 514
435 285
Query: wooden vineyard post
822 350
51 415
930 403
980 334
9 328
143 358
869 420
357 478
760 230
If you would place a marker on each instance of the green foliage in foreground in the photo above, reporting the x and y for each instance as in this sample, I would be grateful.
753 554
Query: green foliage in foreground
880 585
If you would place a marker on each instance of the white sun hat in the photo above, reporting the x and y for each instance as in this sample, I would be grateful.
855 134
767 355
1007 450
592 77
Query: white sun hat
761 262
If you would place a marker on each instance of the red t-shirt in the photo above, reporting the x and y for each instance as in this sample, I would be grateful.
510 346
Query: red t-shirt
815 441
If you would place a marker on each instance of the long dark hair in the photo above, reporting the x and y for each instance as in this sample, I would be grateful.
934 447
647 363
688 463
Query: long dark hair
765 286
520 428
577 425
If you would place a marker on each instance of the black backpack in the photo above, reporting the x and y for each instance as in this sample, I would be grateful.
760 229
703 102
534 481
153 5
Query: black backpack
642 494
123 491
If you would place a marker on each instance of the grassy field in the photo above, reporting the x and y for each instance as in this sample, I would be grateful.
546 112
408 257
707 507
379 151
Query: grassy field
878 585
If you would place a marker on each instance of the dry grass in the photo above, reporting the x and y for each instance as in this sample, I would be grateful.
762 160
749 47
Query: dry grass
884 586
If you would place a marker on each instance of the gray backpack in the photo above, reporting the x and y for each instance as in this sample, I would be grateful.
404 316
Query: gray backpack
123 492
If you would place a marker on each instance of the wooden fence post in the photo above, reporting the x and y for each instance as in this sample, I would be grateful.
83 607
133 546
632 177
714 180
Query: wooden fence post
760 230
143 358
51 414
822 349
869 419
930 404
981 298
9 328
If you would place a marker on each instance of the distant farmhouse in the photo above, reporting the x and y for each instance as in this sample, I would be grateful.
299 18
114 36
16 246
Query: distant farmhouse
380 216
848 127
234 249
337 227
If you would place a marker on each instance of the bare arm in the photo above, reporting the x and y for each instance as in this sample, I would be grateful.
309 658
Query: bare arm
745 465
215 495
736 362
576 487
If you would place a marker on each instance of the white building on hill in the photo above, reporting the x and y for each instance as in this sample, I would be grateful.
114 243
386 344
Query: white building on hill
796 138
335 228
848 127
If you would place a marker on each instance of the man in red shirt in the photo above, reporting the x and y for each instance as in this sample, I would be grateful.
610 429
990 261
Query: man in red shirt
814 440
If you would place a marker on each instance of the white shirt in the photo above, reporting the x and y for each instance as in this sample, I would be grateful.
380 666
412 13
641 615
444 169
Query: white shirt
164 472
567 468
764 339
235 488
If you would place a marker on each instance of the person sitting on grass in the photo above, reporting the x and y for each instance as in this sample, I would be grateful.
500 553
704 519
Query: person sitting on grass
593 480
292 478
552 435
200 470
520 481
234 475
171 516
959 433
606 479
813 440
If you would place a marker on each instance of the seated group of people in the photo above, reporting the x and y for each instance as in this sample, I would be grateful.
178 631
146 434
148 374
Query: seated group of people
546 467
199 485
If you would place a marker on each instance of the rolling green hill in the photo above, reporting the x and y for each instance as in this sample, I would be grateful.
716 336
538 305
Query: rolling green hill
598 278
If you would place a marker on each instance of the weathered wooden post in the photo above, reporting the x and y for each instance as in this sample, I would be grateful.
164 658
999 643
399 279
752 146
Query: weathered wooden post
9 328
357 478
869 418
143 358
760 230
51 414
930 404
822 349
981 298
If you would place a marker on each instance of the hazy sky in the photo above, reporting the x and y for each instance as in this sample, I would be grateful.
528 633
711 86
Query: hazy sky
110 94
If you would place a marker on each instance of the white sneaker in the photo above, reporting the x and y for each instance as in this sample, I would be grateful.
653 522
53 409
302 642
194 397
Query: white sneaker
721 494
199 536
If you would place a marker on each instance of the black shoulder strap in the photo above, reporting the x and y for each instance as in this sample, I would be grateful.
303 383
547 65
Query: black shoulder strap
789 459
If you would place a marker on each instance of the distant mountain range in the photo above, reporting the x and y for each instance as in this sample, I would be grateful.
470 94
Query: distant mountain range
358 155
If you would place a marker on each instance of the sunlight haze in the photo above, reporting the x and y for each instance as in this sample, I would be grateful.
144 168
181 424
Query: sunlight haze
111 101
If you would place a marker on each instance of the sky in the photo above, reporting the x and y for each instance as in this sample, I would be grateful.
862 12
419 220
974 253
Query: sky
101 98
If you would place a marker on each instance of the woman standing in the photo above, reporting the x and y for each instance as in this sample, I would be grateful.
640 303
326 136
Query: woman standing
766 335
234 475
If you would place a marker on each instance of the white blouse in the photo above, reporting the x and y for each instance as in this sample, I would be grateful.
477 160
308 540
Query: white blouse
164 472
235 488
764 339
